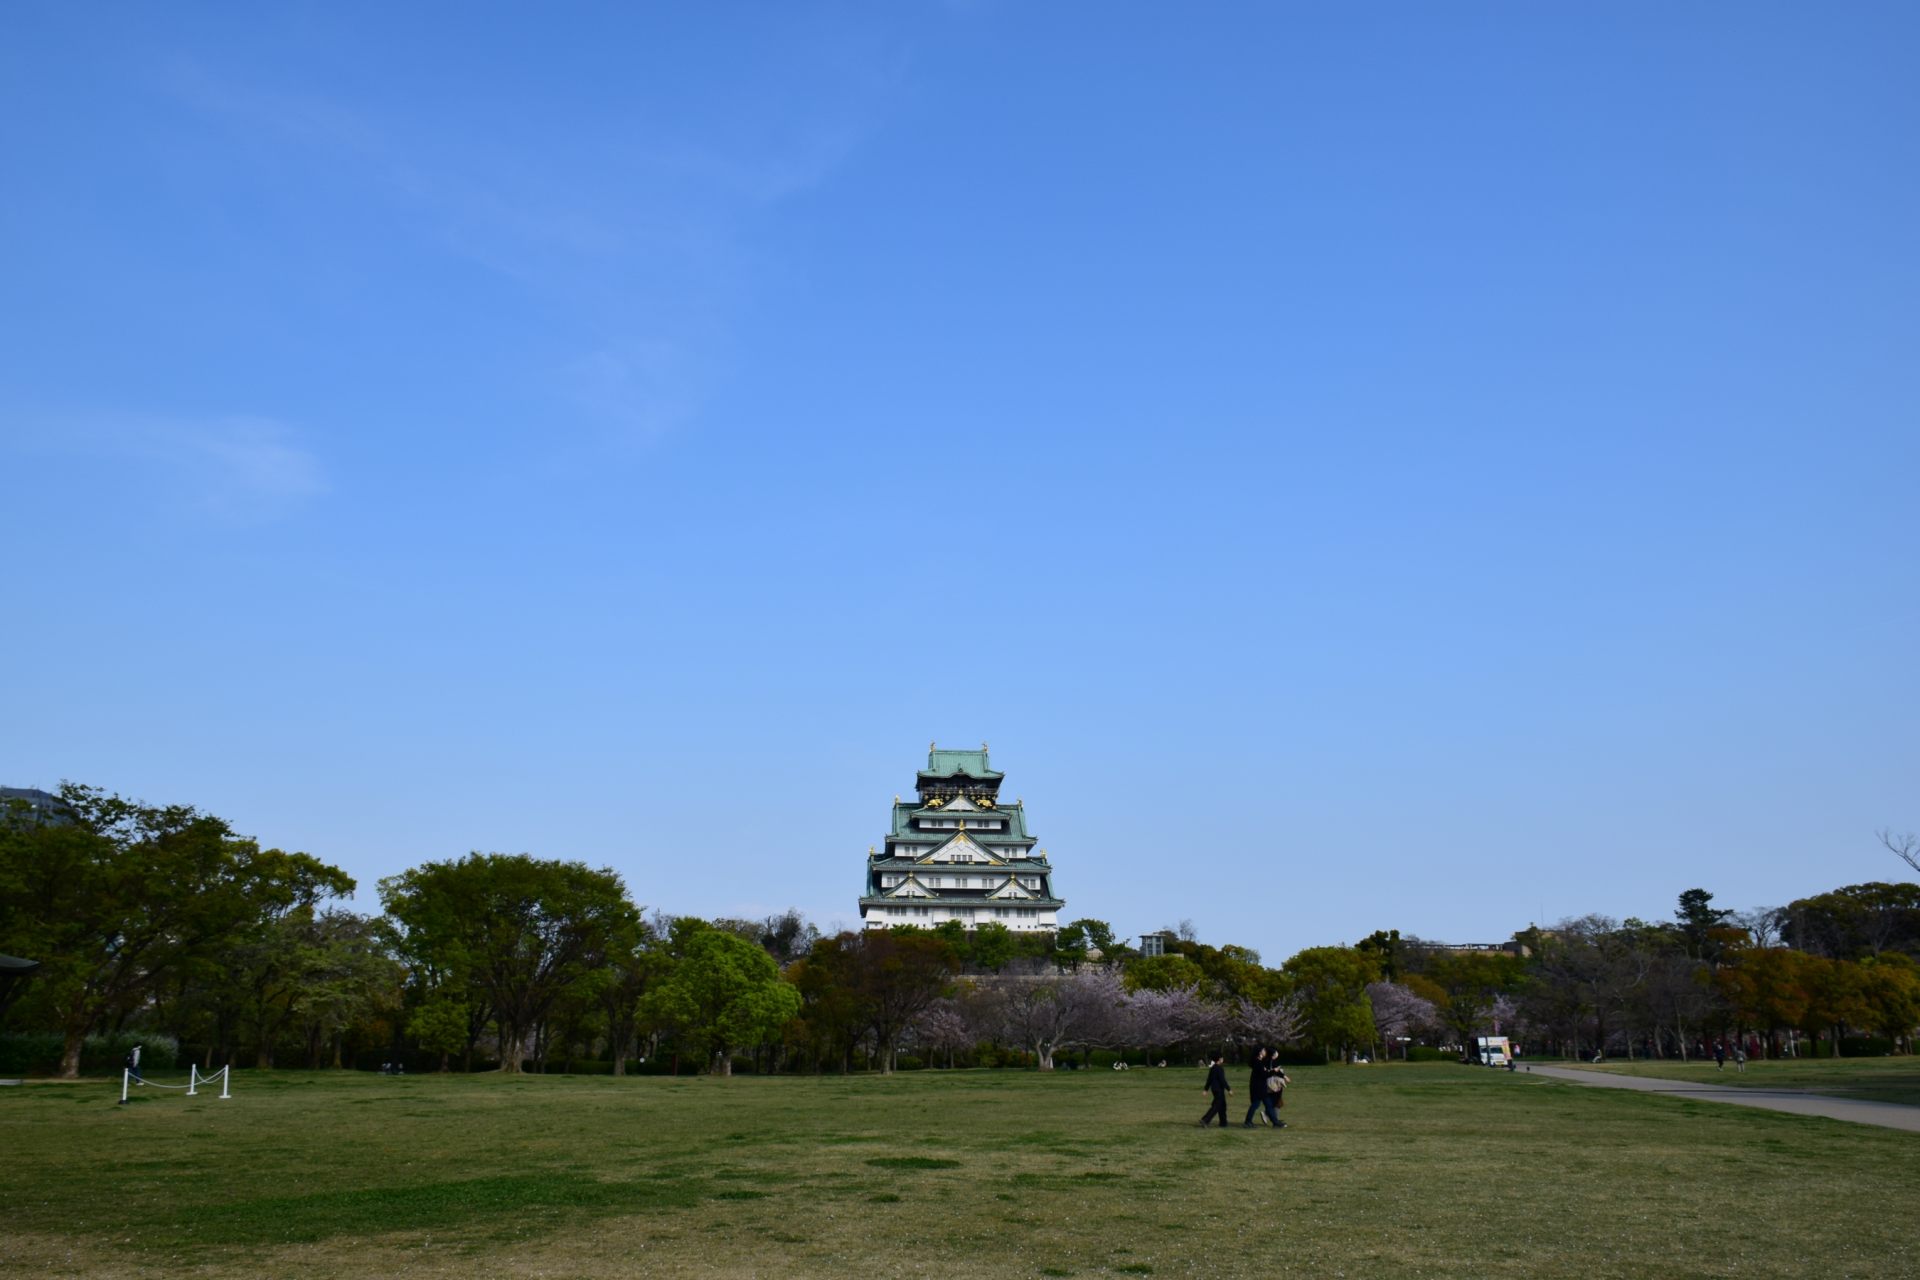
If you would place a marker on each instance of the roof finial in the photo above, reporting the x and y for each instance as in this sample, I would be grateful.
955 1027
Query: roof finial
983 748
931 748
896 797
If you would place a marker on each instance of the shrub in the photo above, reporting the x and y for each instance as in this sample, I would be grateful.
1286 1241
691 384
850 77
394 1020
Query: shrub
1866 1047
414 1063
37 1053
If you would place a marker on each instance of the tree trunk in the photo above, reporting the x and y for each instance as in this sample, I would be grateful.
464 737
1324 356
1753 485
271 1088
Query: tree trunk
620 1063
1043 1056
723 1063
70 1048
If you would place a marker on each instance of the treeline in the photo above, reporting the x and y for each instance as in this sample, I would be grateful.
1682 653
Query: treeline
163 923
1831 974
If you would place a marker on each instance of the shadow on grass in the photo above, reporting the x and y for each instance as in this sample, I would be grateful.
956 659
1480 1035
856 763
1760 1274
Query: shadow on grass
525 1199
912 1162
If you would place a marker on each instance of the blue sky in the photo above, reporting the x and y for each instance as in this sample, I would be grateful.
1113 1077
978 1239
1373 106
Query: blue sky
1429 467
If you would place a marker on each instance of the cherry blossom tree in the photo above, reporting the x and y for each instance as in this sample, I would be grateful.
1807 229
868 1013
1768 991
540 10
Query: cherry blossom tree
1065 1012
944 1027
1276 1023
1159 1020
1401 1013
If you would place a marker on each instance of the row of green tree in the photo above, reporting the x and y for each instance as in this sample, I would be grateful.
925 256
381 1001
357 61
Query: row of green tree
165 920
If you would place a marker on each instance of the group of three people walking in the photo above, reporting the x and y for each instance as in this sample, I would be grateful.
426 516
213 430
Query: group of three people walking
1267 1081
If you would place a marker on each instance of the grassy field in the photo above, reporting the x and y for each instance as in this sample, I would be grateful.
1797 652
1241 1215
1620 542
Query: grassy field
1385 1170
1873 1079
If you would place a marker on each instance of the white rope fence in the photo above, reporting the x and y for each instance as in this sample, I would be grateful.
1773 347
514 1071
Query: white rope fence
192 1086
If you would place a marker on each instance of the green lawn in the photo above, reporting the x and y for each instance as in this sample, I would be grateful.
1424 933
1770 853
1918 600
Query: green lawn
1873 1079
1386 1170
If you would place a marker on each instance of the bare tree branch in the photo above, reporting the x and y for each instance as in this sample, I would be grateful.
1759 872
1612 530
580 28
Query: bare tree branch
1905 847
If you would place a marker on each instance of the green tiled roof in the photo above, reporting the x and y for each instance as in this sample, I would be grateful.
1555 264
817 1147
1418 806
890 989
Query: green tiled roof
1024 866
1041 904
922 875
975 838
949 764
1014 814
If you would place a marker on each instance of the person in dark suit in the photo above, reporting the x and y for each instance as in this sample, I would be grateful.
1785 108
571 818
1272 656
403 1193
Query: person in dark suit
1217 1086
1256 1085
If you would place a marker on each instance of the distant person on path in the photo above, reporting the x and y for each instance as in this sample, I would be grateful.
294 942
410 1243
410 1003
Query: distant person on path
1719 1055
133 1065
1740 1058
1256 1085
1217 1086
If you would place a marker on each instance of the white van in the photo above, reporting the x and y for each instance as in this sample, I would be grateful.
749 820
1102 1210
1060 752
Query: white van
1494 1051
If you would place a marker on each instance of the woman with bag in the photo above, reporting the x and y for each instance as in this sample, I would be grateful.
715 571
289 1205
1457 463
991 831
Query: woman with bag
1275 1096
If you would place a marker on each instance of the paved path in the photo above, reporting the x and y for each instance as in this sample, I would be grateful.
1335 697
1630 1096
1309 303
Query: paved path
1891 1115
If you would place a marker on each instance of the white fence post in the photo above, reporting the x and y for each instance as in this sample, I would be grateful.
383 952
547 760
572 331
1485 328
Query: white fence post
125 1073
193 1078
225 1079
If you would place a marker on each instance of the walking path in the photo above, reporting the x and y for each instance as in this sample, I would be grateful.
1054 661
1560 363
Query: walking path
1890 1115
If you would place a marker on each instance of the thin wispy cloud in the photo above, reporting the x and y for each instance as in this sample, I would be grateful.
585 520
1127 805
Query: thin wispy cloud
641 388
233 468
620 225
248 462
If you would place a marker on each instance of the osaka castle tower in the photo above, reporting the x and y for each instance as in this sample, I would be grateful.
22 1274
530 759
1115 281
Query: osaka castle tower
959 853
